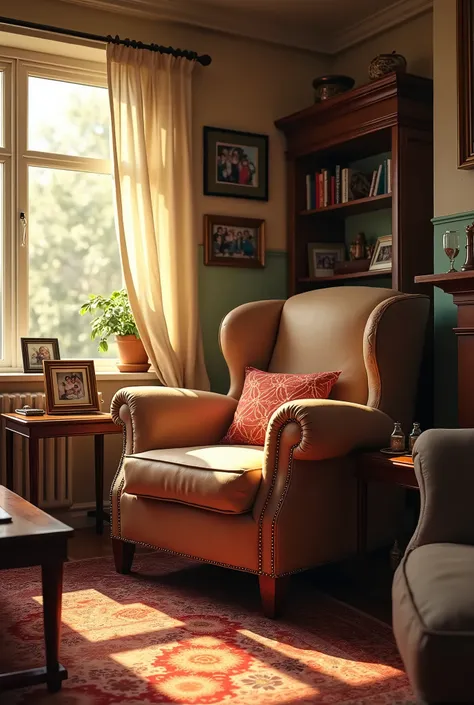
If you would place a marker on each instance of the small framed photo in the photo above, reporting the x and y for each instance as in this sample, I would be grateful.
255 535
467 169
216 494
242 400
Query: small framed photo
232 241
70 386
35 350
382 257
322 257
235 164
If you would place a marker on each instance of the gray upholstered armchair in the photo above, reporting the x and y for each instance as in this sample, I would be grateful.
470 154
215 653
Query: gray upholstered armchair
433 589
290 505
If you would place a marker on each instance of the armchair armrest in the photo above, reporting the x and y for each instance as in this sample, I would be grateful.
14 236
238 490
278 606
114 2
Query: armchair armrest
325 428
445 473
315 430
164 417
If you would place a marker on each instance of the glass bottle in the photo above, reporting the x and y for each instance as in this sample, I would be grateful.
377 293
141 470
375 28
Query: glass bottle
396 556
416 431
397 439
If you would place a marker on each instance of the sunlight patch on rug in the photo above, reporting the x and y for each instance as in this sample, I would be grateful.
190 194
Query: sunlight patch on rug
194 635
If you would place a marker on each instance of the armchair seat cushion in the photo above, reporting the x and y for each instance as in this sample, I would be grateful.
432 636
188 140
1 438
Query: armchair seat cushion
218 478
433 619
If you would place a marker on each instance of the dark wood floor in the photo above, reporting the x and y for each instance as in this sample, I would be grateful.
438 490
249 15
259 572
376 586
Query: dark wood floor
365 585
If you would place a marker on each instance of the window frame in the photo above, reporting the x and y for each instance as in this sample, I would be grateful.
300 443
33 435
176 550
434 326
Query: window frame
18 65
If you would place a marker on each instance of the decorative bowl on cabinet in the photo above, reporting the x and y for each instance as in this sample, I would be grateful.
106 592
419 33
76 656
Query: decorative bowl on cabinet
387 63
328 86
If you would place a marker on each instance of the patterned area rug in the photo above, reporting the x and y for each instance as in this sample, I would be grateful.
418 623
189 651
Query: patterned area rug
178 632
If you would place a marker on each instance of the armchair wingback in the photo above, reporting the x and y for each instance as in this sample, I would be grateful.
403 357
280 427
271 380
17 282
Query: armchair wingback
290 505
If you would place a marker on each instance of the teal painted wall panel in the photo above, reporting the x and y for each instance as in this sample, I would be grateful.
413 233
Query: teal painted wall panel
445 318
222 289
373 225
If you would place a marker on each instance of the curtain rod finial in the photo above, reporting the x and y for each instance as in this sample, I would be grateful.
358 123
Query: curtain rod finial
205 60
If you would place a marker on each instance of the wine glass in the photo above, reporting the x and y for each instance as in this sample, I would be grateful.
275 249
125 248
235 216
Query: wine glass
451 247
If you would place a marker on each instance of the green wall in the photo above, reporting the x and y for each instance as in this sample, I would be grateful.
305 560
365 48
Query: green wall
445 319
222 289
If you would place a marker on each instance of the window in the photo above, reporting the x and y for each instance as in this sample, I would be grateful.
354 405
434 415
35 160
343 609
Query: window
55 168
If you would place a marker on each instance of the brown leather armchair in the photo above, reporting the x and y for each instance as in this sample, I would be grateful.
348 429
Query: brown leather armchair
289 506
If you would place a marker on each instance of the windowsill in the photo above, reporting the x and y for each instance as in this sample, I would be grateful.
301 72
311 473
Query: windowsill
102 376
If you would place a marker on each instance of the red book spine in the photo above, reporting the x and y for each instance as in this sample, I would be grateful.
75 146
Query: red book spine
333 190
321 190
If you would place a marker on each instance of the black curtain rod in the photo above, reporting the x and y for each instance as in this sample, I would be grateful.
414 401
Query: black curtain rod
204 60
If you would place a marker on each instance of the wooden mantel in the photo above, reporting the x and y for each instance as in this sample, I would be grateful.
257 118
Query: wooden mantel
461 286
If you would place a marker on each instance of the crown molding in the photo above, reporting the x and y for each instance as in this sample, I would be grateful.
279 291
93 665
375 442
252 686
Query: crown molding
213 19
379 22
283 34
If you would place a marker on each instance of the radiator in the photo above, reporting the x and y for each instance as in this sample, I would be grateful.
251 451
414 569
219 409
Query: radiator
55 466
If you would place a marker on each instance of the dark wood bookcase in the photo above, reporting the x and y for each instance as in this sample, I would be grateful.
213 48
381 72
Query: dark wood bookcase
392 116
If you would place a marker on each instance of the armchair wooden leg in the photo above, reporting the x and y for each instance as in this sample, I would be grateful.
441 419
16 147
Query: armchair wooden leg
273 593
123 555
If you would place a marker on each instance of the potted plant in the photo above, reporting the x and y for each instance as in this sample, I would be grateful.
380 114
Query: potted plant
116 318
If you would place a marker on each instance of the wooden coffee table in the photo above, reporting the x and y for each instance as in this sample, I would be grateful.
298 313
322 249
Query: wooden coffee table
36 428
378 467
35 538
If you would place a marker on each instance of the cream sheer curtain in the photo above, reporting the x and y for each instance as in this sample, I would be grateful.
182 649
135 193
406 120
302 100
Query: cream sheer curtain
150 100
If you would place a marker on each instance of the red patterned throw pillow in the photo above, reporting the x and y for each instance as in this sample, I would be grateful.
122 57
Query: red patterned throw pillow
264 392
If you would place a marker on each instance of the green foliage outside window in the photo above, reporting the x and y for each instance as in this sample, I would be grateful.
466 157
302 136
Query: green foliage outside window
73 248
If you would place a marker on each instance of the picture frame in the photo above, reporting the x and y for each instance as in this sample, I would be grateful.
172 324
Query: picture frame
322 257
465 72
70 386
35 350
382 256
235 164
233 241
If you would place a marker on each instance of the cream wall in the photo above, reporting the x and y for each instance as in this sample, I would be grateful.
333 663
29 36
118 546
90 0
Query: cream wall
413 39
248 85
454 188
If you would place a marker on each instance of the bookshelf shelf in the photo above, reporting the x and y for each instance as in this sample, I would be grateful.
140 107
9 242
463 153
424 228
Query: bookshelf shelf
346 275
360 205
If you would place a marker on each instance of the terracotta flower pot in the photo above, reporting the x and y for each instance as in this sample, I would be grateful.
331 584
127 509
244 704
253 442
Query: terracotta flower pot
132 354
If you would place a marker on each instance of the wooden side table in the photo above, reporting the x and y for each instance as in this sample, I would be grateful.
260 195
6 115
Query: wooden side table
378 467
35 428
35 538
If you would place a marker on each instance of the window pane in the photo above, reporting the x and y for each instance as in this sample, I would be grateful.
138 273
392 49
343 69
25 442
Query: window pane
2 109
68 118
73 252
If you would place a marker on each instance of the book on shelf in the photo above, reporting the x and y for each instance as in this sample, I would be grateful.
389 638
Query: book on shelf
337 174
320 202
325 174
381 182
346 175
329 187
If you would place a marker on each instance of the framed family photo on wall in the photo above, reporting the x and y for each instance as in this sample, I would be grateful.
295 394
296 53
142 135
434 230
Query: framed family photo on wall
232 241
70 386
235 164
35 350
465 71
